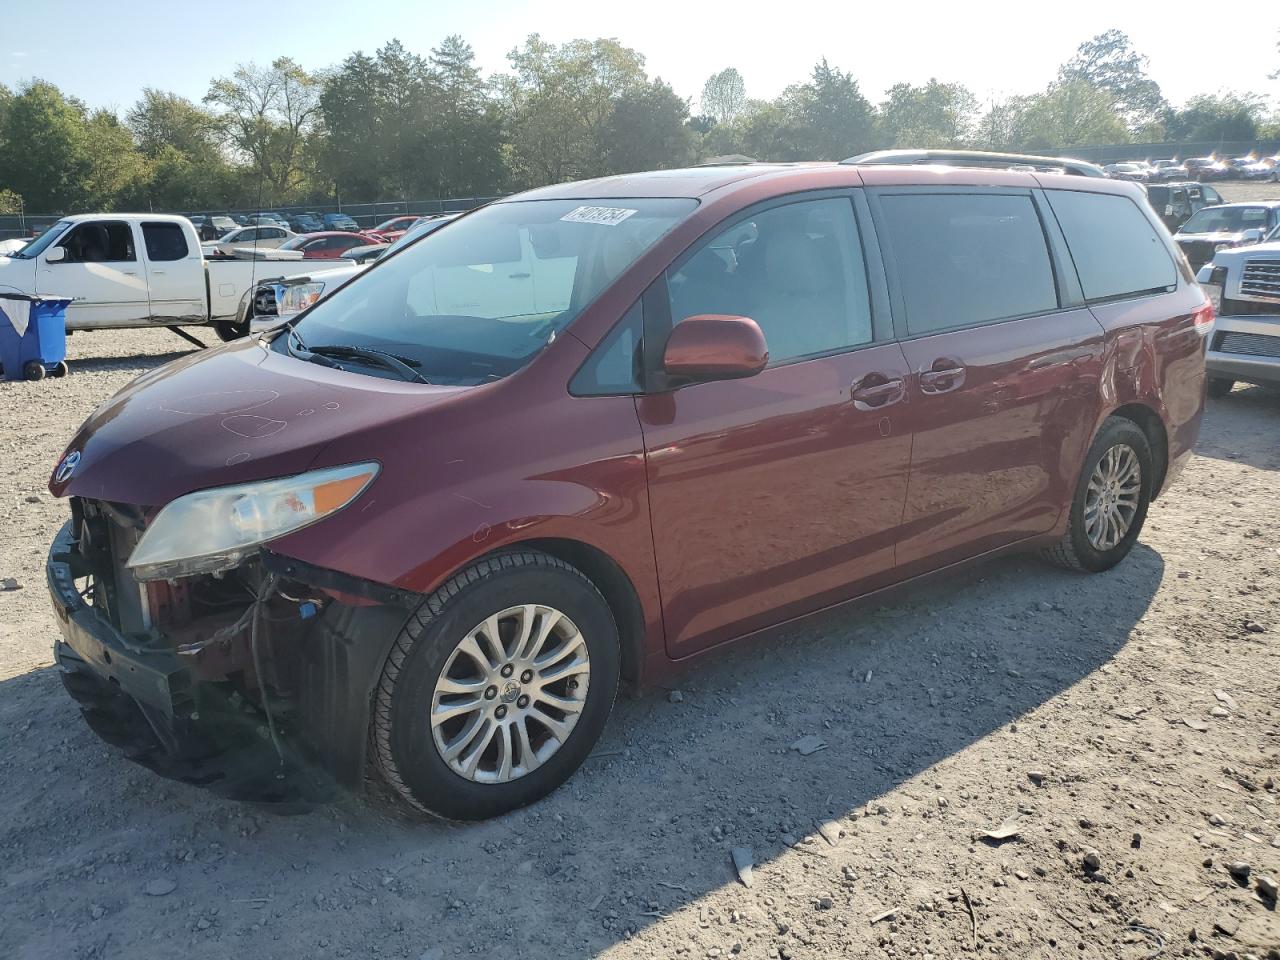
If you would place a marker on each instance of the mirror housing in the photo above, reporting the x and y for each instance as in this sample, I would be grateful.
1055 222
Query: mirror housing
1253 235
55 255
713 346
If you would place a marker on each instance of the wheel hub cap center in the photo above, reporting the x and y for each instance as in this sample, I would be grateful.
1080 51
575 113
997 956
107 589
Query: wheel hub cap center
510 690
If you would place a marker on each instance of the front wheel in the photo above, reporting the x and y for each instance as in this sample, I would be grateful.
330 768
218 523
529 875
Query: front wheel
497 689
228 330
1110 502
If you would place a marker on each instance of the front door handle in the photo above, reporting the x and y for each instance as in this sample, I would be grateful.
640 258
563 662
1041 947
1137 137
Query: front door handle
874 392
943 376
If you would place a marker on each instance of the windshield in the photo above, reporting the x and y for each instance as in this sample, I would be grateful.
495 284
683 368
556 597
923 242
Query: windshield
43 242
1226 220
477 302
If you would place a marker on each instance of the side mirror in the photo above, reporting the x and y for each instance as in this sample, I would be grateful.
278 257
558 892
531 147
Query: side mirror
714 346
1251 236
56 255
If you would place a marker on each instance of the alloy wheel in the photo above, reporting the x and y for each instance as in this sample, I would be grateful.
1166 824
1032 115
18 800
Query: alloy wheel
510 694
1111 501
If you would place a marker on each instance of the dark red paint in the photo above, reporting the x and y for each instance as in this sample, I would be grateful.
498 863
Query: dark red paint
729 506
715 347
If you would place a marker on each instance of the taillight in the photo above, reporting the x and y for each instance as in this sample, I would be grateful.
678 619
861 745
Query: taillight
1203 318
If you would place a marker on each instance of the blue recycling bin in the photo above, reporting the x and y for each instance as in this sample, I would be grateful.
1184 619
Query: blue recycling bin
33 336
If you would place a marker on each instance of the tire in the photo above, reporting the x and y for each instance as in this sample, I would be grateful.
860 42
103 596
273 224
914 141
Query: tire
34 370
409 749
1220 386
228 330
1076 550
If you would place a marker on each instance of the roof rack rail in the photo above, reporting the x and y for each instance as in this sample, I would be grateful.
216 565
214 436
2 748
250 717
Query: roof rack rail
978 158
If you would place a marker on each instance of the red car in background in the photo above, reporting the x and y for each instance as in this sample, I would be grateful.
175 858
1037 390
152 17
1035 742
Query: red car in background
325 245
391 230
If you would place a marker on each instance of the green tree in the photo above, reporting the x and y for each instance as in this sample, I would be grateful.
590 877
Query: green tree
1068 114
46 161
1001 126
351 121
117 170
558 100
929 116
1109 63
646 130
468 124
831 117
1222 116
161 119
724 95
266 115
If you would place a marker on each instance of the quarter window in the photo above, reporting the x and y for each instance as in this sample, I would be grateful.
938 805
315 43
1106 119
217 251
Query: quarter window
1117 252
966 258
796 270
165 241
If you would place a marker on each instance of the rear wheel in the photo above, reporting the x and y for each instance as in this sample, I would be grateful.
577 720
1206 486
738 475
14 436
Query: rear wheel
1110 502
1220 386
497 689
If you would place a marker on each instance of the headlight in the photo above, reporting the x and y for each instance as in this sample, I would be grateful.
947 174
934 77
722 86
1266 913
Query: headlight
212 530
293 298
1222 246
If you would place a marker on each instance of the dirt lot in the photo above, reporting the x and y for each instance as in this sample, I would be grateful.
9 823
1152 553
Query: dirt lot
1130 717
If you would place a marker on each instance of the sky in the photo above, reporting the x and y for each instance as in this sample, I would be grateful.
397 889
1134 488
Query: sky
105 56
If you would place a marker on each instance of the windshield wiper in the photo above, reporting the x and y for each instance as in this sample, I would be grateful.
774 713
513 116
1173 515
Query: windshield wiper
390 361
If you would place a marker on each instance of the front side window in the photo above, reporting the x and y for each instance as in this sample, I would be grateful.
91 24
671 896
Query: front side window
478 301
100 241
1117 252
968 258
796 270
165 241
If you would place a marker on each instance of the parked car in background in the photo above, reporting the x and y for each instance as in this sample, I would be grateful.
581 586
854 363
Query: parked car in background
215 226
366 254
1244 345
589 432
308 222
1264 169
1174 203
1206 168
264 237
393 229
325 245
1223 227
1168 170
134 270
340 221
1127 171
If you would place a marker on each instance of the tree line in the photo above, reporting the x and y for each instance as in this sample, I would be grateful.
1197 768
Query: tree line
400 125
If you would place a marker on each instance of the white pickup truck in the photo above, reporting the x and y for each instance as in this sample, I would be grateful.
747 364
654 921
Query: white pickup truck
140 270
1244 344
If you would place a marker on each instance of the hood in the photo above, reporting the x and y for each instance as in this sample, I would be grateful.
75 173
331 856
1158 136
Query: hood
230 415
17 275
1226 258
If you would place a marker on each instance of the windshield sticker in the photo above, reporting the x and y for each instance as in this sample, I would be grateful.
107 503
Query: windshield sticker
605 216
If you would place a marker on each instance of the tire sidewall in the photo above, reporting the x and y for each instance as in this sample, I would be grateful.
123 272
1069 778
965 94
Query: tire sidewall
433 784
1113 432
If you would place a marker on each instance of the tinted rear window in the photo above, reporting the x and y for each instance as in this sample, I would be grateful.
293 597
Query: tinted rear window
966 258
1117 251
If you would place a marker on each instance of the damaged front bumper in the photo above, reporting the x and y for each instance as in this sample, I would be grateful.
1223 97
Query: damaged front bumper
179 690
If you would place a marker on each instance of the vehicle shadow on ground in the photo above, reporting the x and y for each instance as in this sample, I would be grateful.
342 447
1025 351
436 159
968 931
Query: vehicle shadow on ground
129 361
1243 427
643 830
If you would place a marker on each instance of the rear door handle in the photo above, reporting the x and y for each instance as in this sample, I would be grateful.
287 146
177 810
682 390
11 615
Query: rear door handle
943 376
874 392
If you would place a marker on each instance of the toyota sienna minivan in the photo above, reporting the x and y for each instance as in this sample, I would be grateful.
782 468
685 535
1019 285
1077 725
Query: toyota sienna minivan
594 430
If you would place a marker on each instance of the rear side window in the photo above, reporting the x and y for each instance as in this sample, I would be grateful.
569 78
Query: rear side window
967 258
165 241
1117 251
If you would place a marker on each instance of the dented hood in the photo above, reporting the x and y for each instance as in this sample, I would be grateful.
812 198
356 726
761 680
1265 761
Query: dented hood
230 415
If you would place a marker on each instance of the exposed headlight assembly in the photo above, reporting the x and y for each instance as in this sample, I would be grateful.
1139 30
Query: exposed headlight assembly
214 530
293 298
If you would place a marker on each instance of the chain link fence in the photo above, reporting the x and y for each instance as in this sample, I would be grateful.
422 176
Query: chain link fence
367 215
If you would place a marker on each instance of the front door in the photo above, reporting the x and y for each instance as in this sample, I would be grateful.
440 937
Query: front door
778 494
1003 379
101 273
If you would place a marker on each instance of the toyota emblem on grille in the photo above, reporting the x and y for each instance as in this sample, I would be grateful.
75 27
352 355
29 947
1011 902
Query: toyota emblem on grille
67 467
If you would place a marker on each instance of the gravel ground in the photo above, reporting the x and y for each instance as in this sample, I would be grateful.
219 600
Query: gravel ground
1128 721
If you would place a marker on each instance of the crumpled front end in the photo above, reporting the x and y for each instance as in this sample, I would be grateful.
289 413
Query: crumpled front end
255 681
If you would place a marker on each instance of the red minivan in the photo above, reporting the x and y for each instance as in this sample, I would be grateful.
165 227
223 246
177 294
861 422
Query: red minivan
594 430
